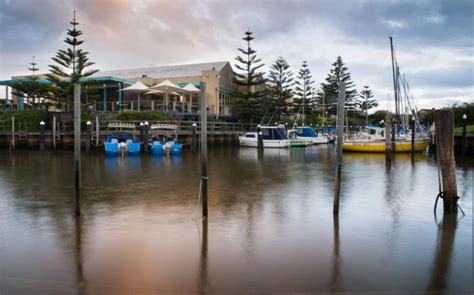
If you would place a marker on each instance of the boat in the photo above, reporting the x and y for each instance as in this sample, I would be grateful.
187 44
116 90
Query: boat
273 137
165 140
378 146
121 140
307 134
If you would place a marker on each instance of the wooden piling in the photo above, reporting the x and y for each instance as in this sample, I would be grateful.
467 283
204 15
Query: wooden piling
77 146
464 136
444 120
146 127
97 130
13 134
340 142
54 132
204 177
259 139
193 138
388 137
88 135
42 130
413 132
142 126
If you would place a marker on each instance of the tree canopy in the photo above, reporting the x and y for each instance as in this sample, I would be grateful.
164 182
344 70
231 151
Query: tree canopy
280 90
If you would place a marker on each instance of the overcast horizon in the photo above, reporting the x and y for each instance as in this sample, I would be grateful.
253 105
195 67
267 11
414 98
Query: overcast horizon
433 39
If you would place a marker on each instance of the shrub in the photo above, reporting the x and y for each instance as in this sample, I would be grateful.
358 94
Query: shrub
144 115
29 118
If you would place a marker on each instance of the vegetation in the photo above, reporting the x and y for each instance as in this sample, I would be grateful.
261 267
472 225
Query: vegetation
365 102
142 115
250 102
28 119
303 91
70 66
339 73
280 87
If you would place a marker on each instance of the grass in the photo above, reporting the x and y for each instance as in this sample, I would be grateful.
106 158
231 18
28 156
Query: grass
470 128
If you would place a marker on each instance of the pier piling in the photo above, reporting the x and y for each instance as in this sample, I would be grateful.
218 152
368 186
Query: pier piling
77 147
340 142
42 130
146 127
54 132
444 120
12 142
97 128
413 132
259 139
88 135
464 136
204 176
142 127
388 138
193 138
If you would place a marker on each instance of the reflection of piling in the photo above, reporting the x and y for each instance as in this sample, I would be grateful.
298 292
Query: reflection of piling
88 135
193 138
145 136
413 131
42 130
340 142
204 149
444 120
335 275
77 146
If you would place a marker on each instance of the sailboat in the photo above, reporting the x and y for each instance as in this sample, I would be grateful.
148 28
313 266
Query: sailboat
372 139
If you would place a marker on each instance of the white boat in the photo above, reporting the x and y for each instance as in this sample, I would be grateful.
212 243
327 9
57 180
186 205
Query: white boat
308 135
273 137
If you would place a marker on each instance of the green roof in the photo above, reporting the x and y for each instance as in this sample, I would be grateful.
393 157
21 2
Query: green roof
82 80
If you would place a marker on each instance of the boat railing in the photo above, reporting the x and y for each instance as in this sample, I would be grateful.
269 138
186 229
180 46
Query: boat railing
121 125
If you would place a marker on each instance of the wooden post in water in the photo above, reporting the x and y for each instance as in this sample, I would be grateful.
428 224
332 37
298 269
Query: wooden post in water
146 127
413 132
54 132
340 141
204 150
42 130
88 135
388 137
444 120
77 146
464 136
142 126
259 139
13 134
193 138
97 130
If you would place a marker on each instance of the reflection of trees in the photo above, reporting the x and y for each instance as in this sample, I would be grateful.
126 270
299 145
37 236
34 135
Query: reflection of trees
444 250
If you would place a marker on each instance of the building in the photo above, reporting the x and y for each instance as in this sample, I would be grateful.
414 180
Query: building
103 89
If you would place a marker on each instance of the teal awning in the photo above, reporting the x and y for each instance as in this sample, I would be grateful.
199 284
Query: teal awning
89 80
17 81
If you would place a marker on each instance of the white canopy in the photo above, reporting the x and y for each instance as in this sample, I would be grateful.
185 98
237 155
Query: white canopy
191 88
167 85
154 91
175 93
138 86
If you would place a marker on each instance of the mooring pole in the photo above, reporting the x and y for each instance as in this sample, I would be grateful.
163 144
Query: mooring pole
193 138
259 139
77 146
54 132
142 125
340 141
146 127
88 135
97 130
464 136
444 120
42 129
204 149
394 133
413 132
388 137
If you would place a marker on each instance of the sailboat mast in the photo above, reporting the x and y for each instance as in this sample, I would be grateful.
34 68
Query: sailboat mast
394 74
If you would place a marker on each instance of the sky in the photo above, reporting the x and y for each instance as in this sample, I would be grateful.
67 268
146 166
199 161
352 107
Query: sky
433 39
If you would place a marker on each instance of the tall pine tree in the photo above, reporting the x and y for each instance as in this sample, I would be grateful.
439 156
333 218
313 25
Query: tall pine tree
280 90
251 96
70 65
365 102
31 88
303 91
338 73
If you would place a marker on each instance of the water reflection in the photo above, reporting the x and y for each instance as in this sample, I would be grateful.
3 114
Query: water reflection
80 281
335 283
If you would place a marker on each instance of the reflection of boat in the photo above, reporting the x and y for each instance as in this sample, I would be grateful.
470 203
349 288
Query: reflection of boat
121 143
165 142
307 134
273 137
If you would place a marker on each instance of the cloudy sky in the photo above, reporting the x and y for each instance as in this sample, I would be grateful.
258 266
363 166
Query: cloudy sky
433 39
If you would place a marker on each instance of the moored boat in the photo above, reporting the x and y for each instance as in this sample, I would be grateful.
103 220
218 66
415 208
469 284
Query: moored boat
165 143
273 137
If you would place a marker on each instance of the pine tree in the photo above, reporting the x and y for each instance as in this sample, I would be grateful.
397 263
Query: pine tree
303 91
338 73
251 96
70 64
365 102
280 86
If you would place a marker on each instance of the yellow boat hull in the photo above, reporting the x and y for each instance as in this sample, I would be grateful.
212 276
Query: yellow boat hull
379 147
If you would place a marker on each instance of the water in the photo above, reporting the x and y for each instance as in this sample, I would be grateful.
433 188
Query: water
270 229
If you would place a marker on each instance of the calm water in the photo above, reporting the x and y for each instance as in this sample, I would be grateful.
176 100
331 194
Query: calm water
270 229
